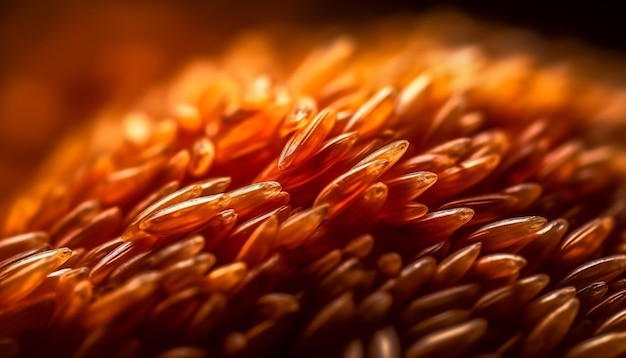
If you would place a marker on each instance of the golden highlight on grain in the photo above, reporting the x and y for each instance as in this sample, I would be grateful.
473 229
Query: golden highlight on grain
387 193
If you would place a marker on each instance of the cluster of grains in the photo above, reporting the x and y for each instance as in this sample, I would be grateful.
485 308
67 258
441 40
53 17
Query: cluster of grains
383 196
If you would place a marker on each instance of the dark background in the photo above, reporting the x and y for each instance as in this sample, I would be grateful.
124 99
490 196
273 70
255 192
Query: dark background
63 60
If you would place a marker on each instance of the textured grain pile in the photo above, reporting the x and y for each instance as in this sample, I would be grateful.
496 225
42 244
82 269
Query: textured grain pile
380 195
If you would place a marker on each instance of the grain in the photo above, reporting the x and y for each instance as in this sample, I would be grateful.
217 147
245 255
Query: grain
308 140
437 322
19 279
186 193
389 264
123 185
385 344
346 187
392 152
364 208
102 226
497 266
606 345
505 233
501 302
344 277
121 300
227 278
409 186
607 306
75 218
540 307
436 226
458 297
411 279
260 243
202 155
542 247
185 216
592 293
486 207
548 333
187 272
454 180
12 246
413 97
275 305
583 241
449 342
615 323
142 205
359 247
304 109
298 227
404 214
328 322
455 266
373 114
604 269
244 199
431 162
334 150
116 257
354 349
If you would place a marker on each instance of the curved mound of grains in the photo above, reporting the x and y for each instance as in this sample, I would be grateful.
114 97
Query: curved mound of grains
389 194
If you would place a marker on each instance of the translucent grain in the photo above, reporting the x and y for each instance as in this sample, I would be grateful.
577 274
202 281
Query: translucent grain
548 333
243 200
455 266
359 247
412 99
604 345
123 298
584 241
436 226
101 228
504 301
184 194
437 322
347 186
449 342
185 216
604 269
409 186
385 344
298 227
260 244
455 180
308 140
505 233
304 109
539 308
81 214
22 277
389 264
328 322
497 266
615 323
202 155
458 297
391 152
373 114
14 245
226 278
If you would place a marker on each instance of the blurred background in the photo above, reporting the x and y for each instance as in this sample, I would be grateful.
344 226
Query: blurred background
62 61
